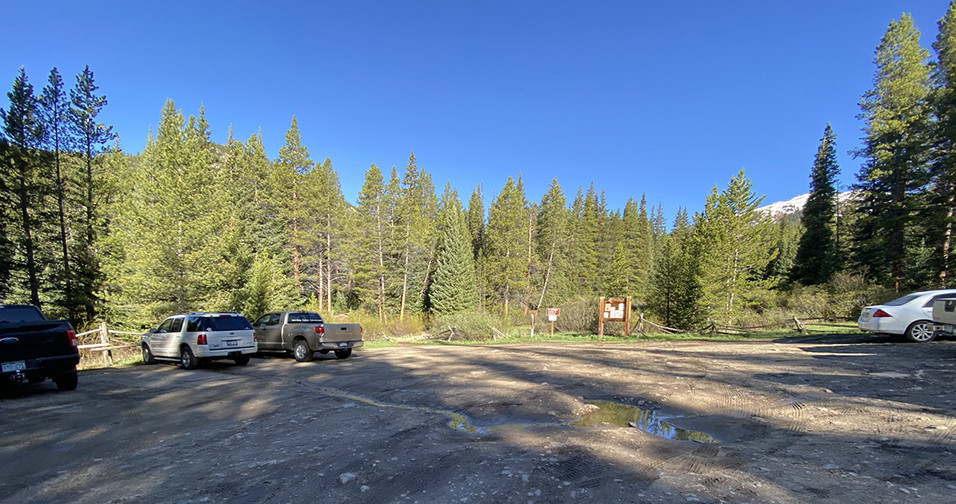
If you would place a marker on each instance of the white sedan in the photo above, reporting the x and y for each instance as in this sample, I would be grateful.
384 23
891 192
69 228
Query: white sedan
910 315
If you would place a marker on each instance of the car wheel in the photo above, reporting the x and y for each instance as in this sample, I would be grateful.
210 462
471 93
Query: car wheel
187 359
66 381
148 355
343 354
242 360
301 350
920 331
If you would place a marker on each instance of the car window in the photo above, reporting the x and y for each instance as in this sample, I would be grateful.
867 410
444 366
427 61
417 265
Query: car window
305 318
262 320
176 326
902 301
273 319
193 324
164 327
226 323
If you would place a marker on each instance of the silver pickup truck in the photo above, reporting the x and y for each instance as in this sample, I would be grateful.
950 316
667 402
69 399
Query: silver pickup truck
944 317
303 333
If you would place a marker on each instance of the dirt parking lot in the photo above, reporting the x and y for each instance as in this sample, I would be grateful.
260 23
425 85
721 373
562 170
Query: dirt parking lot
825 419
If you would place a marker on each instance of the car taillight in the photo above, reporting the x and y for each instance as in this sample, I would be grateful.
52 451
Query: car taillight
255 337
319 329
201 340
361 331
70 333
881 313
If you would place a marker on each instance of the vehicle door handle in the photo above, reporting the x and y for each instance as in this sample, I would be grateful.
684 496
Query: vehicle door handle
9 341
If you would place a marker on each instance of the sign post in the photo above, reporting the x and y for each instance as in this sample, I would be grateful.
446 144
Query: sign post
553 316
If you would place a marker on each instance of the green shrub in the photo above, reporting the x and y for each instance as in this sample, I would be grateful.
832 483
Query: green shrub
478 326
577 315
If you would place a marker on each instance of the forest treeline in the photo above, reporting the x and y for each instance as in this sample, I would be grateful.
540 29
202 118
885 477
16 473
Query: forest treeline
89 232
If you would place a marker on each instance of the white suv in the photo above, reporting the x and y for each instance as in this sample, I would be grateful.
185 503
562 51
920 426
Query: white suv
196 337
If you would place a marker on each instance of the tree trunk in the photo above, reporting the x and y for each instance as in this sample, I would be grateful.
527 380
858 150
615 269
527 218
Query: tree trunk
328 269
947 235
67 272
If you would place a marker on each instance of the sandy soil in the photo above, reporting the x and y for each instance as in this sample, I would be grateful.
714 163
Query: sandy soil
824 419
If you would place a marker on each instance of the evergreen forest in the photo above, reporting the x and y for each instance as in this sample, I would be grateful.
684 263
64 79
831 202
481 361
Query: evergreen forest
91 233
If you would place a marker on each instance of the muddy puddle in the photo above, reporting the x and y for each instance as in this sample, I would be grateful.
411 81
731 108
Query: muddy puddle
607 413
649 421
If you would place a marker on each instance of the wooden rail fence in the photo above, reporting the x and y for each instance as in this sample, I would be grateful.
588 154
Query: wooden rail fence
106 343
714 328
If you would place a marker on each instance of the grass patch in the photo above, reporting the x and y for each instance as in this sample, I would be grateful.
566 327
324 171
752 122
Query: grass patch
521 335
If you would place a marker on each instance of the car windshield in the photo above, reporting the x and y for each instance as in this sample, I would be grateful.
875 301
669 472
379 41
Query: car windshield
226 324
305 318
902 301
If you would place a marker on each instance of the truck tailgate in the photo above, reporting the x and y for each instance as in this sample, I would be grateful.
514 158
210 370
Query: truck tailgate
335 333
944 311
31 340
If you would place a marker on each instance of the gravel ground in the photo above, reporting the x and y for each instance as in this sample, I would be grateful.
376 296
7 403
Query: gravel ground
803 420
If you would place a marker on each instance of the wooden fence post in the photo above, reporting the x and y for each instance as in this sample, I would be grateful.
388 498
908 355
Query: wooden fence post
105 339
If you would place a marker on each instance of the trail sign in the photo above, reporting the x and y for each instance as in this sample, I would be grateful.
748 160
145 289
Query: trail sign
553 314
615 309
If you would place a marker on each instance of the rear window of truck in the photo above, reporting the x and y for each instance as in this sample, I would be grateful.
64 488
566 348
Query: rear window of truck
20 314
305 318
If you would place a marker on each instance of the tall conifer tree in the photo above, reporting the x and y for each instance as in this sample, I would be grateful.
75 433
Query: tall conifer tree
452 289
734 241
895 150
507 229
92 138
291 166
552 247
23 181
476 228
817 257
942 211
55 109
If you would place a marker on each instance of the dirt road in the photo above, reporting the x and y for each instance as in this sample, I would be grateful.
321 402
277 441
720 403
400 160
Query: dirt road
829 419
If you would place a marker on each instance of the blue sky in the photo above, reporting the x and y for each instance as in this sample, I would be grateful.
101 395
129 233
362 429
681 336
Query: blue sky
666 99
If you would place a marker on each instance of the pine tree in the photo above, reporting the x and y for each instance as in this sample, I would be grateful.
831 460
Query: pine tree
417 213
895 170
476 228
942 210
452 289
552 247
585 221
817 257
92 138
55 107
371 249
173 223
325 231
675 287
23 181
786 241
507 227
734 241
291 166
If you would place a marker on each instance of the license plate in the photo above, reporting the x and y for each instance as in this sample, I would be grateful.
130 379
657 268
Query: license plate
344 343
9 367
232 343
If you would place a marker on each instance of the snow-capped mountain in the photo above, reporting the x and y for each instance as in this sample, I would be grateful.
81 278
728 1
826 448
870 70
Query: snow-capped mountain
795 205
